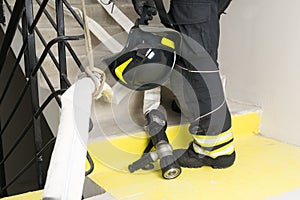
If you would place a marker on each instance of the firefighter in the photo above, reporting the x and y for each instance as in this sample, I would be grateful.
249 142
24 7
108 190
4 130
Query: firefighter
206 109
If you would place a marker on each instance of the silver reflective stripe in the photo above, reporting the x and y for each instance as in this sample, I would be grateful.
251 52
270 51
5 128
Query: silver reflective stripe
225 150
211 141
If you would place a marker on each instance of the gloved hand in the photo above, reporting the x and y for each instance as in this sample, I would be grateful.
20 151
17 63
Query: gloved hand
140 5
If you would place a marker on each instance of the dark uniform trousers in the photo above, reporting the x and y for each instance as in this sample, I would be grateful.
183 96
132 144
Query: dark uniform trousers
200 94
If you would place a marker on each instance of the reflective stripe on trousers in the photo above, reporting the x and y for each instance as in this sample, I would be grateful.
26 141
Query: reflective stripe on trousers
214 146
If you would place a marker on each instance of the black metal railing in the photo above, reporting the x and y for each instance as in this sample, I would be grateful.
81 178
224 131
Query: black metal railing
23 20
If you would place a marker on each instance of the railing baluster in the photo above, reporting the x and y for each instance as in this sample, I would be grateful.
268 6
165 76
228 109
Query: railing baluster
61 45
69 7
2 17
73 54
38 15
32 65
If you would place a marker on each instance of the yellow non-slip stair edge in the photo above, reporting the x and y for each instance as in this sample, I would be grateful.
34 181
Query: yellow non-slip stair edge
264 168
132 145
246 124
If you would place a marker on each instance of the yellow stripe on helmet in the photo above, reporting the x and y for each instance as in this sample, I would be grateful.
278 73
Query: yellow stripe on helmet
120 69
167 42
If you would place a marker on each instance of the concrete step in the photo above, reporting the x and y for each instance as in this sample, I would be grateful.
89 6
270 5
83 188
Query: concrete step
44 22
95 11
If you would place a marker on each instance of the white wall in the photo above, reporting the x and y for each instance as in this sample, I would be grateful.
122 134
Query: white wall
260 56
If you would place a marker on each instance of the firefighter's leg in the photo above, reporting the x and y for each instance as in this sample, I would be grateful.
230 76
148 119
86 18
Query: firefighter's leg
210 147
199 19
203 102
201 93
205 105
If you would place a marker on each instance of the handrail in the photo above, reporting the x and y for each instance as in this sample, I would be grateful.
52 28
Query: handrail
22 11
49 45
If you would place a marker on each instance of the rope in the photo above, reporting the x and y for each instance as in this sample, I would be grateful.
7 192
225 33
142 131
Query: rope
91 71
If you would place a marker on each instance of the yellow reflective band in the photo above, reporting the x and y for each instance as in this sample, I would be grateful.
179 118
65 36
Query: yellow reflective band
225 150
211 141
167 42
120 69
213 136
228 146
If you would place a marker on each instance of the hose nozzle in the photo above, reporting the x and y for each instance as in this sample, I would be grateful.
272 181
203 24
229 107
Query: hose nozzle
170 169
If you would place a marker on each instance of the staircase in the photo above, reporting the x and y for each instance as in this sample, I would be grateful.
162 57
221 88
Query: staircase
71 28
116 143
103 22
103 118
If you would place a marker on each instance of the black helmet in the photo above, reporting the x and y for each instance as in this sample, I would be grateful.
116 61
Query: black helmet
147 59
